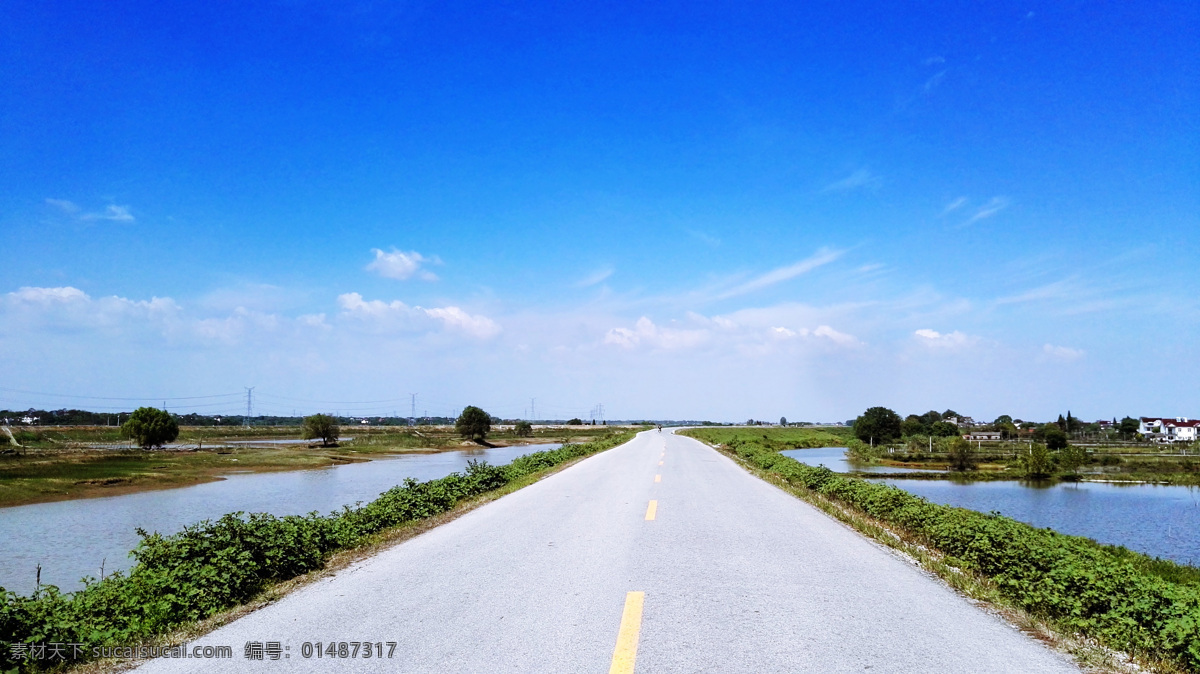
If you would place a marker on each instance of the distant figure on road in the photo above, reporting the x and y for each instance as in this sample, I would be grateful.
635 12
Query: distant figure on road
660 428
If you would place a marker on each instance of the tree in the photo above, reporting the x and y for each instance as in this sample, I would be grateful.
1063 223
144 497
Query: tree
1036 462
523 429
879 425
1003 419
1056 439
950 414
1129 427
943 429
783 421
962 455
150 427
321 426
473 424
1071 458
575 422
912 426
930 418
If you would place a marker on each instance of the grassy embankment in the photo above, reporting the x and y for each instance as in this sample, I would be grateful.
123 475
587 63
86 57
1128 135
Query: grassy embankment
58 464
1077 591
182 580
1000 460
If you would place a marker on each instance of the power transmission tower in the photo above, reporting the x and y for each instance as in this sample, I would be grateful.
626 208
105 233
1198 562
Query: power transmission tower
532 410
249 404
412 412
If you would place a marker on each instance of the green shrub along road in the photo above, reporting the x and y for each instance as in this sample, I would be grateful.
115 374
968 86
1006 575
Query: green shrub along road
213 566
1125 600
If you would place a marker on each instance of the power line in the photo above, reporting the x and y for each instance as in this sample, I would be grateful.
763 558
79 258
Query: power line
68 395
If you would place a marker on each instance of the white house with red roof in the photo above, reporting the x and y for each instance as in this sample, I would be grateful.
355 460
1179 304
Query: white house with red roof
1166 429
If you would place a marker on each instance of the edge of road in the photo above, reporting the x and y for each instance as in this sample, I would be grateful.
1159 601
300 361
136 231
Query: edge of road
1089 655
338 562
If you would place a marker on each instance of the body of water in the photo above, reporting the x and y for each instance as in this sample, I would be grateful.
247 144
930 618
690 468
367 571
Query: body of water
834 458
1158 520
70 539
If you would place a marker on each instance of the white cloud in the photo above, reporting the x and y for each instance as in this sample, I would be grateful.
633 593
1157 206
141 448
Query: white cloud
1063 353
401 266
476 326
949 340
860 178
822 257
400 313
646 333
48 295
836 337
782 333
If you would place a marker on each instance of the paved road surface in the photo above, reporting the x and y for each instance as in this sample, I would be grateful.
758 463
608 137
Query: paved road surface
572 575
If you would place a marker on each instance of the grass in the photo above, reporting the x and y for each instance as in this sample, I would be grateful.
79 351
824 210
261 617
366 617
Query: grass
59 466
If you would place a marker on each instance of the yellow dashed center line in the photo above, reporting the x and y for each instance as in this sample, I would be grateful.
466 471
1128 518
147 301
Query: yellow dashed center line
651 510
658 478
660 463
625 653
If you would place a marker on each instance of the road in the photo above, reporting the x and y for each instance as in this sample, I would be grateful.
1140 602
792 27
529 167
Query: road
661 555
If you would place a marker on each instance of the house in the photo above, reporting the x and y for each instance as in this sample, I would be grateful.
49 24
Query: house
1105 425
1167 429
982 435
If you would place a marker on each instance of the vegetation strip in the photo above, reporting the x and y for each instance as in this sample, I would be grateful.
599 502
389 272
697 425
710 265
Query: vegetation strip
1127 601
212 566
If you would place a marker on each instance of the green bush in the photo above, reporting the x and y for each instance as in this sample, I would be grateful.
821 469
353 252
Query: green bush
214 565
1124 599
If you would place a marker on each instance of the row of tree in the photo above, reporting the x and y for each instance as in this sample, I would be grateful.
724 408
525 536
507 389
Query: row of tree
880 425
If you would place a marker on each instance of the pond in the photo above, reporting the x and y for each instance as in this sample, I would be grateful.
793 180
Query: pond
1158 520
71 539
834 458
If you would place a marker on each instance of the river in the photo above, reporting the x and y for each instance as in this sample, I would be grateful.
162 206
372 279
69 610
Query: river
71 539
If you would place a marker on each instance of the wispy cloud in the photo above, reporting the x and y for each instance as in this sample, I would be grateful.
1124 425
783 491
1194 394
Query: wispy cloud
111 213
822 257
704 237
992 207
598 276
1062 353
1067 288
933 82
954 205
401 266
862 178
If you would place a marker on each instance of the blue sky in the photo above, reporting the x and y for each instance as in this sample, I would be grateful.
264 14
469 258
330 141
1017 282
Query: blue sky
702 210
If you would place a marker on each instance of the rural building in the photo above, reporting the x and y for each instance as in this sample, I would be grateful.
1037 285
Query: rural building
1166 429
982 435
